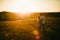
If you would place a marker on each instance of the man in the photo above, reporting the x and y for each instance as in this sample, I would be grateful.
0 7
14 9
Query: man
41 18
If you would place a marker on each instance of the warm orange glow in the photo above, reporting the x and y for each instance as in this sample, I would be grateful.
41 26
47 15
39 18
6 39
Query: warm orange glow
23 15
37 36
36 33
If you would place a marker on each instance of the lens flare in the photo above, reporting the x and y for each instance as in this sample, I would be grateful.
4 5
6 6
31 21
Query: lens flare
36 34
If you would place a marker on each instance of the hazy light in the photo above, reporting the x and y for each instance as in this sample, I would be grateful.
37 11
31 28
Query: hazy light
23 14
36 33
30 5
20 6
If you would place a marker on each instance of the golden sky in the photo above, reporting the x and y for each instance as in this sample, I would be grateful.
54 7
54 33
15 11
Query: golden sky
30 5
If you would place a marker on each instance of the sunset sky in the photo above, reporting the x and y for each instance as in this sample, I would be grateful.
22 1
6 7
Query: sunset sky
30 5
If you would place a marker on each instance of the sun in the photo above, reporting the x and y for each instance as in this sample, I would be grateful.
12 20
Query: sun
21 6
24 6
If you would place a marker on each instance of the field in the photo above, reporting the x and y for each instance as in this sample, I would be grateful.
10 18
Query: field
12 28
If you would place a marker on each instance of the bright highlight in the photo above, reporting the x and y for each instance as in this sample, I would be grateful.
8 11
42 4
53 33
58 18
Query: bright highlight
24 6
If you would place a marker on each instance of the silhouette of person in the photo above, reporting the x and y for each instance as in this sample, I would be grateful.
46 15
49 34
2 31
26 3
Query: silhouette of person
41 18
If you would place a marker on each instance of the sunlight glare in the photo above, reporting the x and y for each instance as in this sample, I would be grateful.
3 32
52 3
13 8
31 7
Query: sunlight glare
21 6
30 6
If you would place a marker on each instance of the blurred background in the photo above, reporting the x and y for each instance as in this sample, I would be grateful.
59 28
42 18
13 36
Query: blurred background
13 26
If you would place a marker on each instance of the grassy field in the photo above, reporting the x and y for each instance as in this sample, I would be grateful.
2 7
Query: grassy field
28 28
18 29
